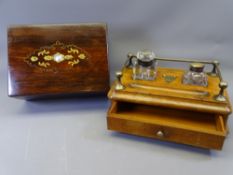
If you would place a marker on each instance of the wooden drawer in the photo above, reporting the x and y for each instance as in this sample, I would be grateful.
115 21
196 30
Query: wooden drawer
187 127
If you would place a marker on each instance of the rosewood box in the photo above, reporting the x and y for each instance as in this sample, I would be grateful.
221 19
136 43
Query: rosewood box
57 60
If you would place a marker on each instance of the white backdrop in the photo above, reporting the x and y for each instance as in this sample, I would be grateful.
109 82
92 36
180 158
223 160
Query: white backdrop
69 136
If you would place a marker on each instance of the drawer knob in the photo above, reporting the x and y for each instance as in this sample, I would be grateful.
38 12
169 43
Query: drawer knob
160 134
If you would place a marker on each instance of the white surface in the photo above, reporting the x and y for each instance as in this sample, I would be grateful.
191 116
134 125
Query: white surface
67 137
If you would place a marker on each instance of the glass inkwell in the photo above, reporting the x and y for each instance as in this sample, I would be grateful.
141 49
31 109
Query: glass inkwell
196 75
144 66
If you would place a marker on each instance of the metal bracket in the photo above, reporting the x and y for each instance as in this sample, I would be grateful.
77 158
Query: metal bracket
220 96
119 85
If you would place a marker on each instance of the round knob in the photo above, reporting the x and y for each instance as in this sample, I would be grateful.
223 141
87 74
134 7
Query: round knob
129 55
197 67
223 85
160 134
216 62
119 75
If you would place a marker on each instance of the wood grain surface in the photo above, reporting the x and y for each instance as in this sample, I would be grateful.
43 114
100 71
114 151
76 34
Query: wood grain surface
169 111
89 76
173 94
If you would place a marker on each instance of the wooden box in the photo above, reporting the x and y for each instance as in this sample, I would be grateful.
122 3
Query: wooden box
57 60
168 110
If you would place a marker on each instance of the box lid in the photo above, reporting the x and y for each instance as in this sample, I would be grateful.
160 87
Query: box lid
51 60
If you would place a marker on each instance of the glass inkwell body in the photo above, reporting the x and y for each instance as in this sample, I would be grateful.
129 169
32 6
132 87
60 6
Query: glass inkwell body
196 75
144 66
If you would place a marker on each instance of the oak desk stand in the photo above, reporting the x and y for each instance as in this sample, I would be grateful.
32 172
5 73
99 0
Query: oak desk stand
168 110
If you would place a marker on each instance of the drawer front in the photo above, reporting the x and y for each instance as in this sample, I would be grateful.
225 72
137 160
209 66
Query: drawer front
167 133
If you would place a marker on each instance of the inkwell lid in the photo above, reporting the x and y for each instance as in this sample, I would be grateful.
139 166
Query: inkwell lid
145 58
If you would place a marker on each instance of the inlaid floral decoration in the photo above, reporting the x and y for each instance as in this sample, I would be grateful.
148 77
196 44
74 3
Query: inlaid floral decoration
58 54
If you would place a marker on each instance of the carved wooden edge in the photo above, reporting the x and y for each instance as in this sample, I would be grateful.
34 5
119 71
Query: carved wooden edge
171 102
